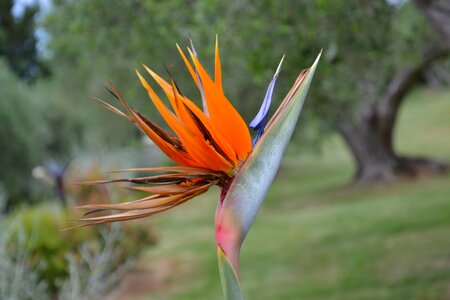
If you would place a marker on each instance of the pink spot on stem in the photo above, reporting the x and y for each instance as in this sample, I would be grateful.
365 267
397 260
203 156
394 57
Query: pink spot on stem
227 238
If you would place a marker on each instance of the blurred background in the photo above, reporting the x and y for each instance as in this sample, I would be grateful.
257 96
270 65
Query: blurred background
360 208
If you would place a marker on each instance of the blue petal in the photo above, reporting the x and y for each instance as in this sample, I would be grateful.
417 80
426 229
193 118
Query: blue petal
259 122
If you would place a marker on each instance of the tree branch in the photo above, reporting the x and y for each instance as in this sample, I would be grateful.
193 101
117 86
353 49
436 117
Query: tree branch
398 88
437 13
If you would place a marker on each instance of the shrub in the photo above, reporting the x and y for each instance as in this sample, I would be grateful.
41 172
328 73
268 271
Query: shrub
57 255
16 272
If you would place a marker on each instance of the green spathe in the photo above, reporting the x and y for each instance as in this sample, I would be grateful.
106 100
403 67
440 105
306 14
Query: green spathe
238 209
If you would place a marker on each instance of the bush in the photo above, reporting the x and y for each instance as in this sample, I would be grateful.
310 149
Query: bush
57 255
16 272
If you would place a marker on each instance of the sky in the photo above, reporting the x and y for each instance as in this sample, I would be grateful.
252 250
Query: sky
42 36
19 5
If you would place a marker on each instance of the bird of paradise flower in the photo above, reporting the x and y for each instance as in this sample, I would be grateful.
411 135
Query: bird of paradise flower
212 146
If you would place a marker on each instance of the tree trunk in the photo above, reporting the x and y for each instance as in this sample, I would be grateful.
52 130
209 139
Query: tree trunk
369 135
376 161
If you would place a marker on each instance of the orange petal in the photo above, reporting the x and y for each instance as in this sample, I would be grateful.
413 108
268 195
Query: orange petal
218 137
218 68
172 152
198 150
167 88
186 118
188 65
224 115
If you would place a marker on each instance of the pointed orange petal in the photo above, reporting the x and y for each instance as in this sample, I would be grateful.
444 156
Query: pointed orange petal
172 152
218 137
188 65
224 115
197 148
167 88
196 78
174 97
218 68
202 126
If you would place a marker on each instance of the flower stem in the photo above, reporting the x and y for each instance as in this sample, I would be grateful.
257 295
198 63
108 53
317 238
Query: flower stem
231 285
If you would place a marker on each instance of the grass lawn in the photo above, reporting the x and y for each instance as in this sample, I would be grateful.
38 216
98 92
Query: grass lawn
317 238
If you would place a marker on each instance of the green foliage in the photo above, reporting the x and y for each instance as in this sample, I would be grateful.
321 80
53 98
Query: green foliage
37 126
43 241
38 231
364 43
20 135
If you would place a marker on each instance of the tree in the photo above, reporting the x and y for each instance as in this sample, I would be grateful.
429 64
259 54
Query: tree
21 136
437 13
18 41
374 53
370 133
